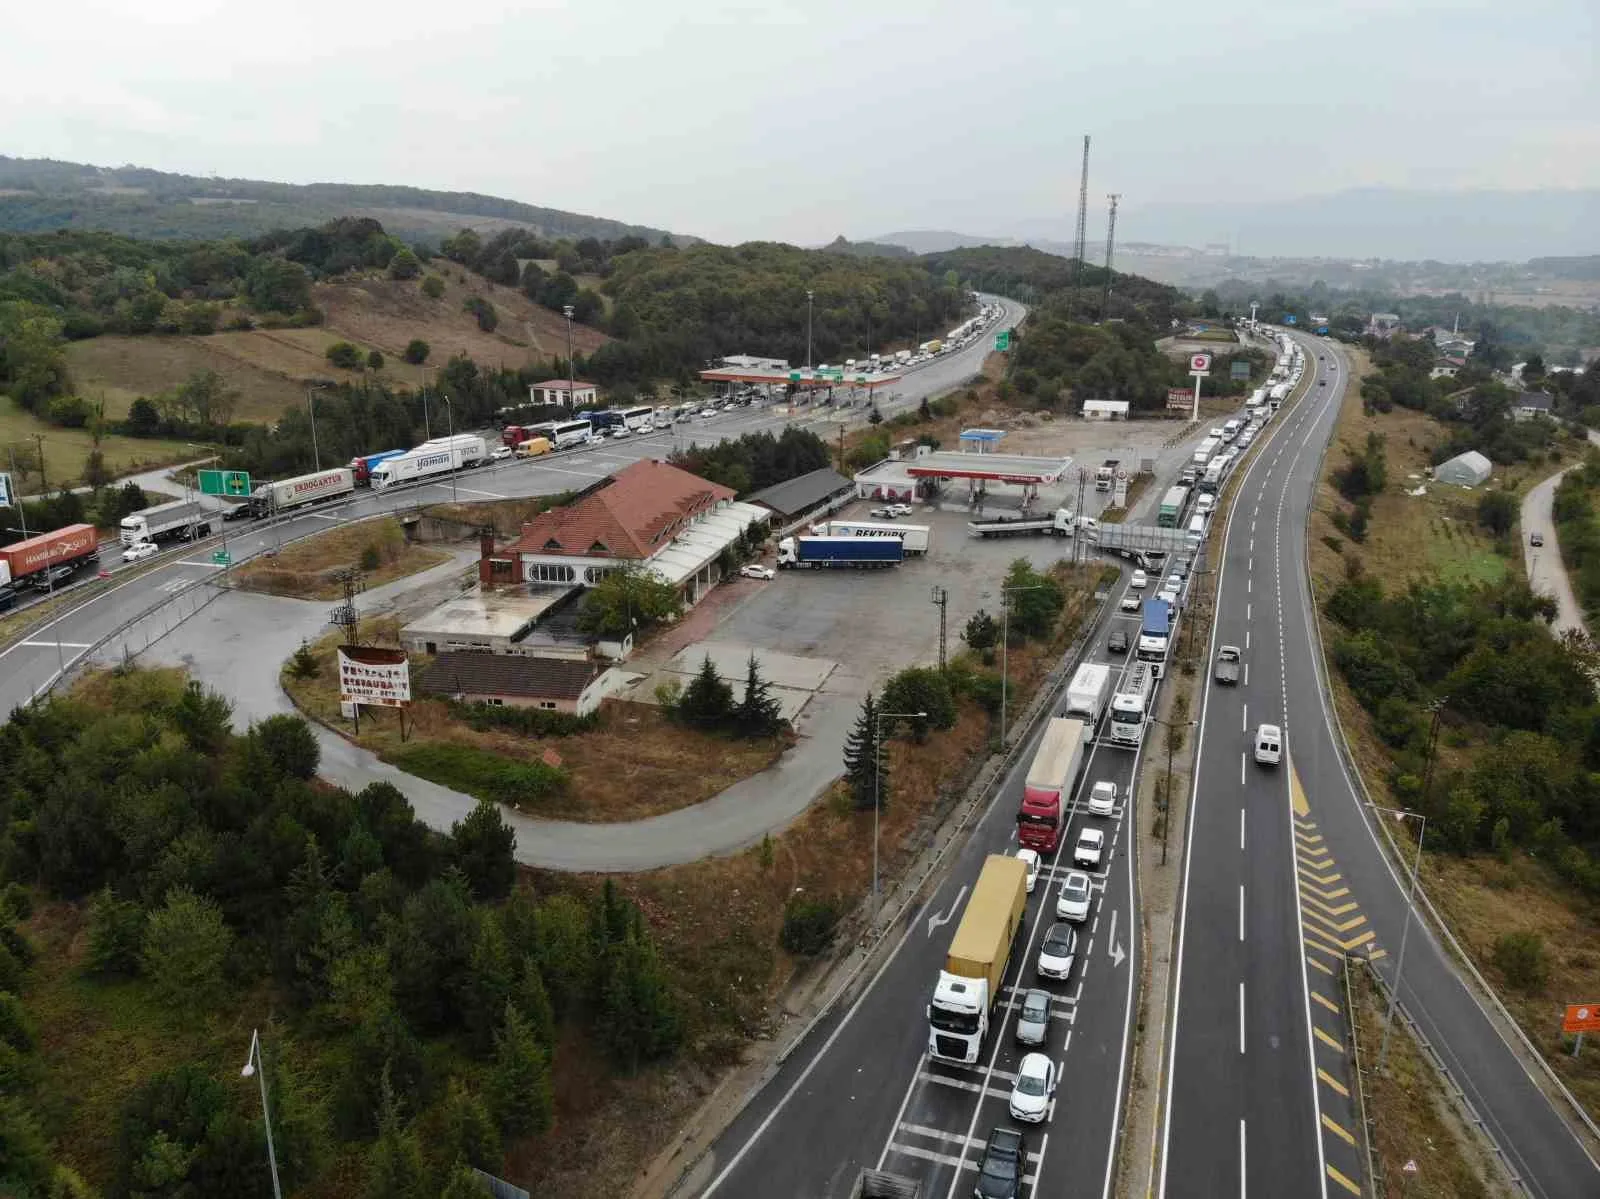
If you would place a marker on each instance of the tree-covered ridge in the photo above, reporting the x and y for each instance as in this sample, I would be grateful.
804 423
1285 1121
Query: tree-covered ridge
76 196
1033 276
411 996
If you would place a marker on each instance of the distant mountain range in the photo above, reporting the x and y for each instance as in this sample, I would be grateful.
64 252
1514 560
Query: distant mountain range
1367 223
41 193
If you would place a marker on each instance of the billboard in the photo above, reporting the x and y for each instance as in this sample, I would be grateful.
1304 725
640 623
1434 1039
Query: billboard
1200 364
370 675
1581 1017
1179 397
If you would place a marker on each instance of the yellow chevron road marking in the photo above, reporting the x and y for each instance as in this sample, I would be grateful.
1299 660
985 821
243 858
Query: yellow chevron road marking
1297 793
1343 1181
1338 1130
1330 1042
1333 1082
1325 1002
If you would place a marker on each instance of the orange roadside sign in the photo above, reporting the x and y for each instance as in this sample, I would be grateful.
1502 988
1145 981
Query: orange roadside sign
1582 1017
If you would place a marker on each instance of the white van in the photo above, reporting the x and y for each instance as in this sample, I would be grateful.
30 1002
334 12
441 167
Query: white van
1269 745
1204 504
1197 531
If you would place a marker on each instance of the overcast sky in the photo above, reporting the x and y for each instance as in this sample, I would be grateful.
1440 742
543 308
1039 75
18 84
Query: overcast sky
802 120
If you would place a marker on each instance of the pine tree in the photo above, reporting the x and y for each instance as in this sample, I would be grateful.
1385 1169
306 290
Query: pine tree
707 701
641 1020
466 1130
758 714
395 1168
520 1090
533 1001
862 769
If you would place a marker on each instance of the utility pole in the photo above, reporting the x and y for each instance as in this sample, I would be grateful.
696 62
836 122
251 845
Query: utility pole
572 373
346 617
941 597
1111 241
44 483
1079 249
311 410
809 297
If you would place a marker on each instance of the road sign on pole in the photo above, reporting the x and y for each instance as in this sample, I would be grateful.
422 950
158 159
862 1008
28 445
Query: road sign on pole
220 557
234 483
1002 340
1200 364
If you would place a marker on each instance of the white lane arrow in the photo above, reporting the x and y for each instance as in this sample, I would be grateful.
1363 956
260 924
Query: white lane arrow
1113 950
935 921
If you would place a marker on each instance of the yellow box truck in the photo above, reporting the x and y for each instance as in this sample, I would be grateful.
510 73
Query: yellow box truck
533 447
980 951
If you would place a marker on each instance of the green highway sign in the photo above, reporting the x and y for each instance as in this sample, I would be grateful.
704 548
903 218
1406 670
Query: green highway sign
225 482
220 557
1002 340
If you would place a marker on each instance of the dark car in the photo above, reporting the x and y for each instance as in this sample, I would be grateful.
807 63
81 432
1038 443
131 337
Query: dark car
1117 643
1003 1165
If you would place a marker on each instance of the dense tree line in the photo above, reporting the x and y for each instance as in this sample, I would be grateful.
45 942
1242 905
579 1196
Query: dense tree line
1034 276
1524 700
1578 531
1058 358
427 990
756 460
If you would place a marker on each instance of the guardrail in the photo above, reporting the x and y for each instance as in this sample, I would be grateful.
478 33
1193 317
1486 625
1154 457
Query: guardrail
1374 1178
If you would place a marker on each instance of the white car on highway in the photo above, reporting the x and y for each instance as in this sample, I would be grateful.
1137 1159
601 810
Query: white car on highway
1059 951
501 453
1139 581
1090 848
1102 798
1034 1088
1030 859
139 551
1072 902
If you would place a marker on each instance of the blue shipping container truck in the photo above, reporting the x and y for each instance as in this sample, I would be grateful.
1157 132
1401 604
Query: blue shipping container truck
840 551
1154 634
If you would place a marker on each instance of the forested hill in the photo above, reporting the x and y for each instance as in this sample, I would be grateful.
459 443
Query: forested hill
1033 276
43 194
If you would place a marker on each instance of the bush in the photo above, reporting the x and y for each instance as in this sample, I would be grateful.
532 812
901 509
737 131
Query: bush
921 689
481 773
433 287
371 558
304 665
404 265
808 925
374 360
483 312
70 412
344 355
186 944
416 352
1521 958
116 935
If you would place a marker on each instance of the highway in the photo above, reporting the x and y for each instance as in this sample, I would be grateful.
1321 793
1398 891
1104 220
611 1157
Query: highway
30 666
861 1090
1285 877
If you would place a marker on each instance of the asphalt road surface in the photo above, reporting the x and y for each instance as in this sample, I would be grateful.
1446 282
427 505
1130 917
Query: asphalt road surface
1285 877
861 1090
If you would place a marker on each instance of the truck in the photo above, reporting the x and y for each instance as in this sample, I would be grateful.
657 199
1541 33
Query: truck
1086 694
969 985
1227 671
1211 481
1146 545
902 357
46 559
915 538
514 435
181 519
806 553
880 1184
1057 524
1155 634
1105 474
1170 514
1052 776
1204 451
423 462
472 448
361 467
301 490
533 447
1130 706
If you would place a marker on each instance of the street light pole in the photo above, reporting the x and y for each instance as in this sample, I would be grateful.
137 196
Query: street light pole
254 1064
572 374
450 411
311 410
877 775
809 295
1405 928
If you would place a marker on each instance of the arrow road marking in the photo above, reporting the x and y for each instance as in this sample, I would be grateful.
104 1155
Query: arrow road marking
935 921
1113 950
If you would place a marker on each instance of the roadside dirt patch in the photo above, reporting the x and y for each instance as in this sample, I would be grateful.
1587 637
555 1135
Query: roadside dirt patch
305 569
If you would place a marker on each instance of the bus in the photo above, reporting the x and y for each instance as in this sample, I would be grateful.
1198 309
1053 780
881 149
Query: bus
1171 511
1130 705
635 418
563 433
1203 451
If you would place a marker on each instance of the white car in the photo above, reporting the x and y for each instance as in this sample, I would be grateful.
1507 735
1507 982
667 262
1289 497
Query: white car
1139 581
618 431
756 571
1130 601
1059 951
707 413
1072 902
899 509
501 453
1030 859
1174 582
646 427
1171 597
1102 797
1034 1088
1090 847
139 551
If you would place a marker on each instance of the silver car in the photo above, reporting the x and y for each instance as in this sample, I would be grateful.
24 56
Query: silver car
1033 1018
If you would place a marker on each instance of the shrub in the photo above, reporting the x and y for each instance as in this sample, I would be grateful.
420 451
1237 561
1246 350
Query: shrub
416 352
304 665
186 944
1521 958
481 773
921 689
374 360
70 412
433 287
808 925
371 558
530 722
344 355
483 312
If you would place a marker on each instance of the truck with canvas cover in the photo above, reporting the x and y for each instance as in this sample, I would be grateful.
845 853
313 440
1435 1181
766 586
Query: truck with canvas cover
915 538
1155 633
362 467
181 519
975 965
315 488
1053 774
805 553
1086 694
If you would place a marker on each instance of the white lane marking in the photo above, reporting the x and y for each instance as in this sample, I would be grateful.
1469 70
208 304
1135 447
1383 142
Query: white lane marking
1241 768
1247 639
474 491
1244 719
1241 828
1247 612
1247 674
1241 1018
1241 912
326 516
1241 1159
58 644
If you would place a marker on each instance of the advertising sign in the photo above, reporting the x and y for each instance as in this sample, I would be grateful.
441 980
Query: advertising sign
1582 1017
1179 397
370 675
1200 364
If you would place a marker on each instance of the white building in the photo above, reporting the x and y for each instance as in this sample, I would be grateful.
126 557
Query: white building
566 392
